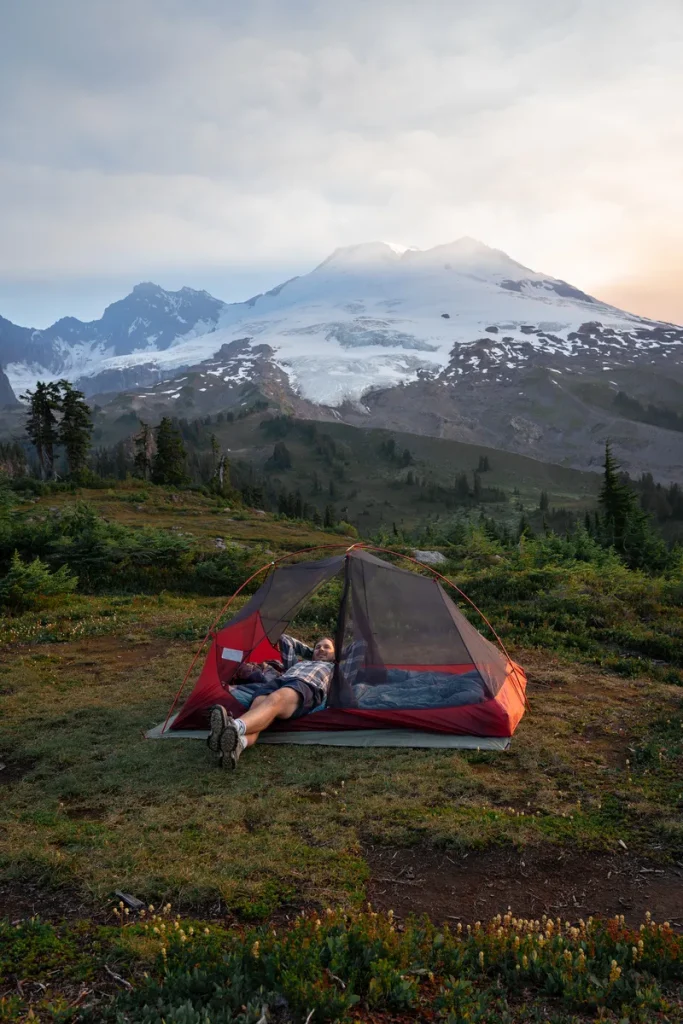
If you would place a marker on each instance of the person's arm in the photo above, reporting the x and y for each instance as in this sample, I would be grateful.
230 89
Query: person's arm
291 649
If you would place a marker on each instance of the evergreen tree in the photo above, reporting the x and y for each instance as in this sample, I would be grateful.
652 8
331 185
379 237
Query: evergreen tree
281 458
144 449
462 487
42 425
75 429
476 490
544 502
328 518
168 463
617 503
623 524
484 465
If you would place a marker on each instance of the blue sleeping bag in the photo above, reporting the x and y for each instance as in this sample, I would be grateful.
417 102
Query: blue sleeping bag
404 689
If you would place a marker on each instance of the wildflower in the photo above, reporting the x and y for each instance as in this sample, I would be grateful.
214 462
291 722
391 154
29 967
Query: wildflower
459 928
255 949
648 916
525 962
615 971
481 958
206 931
534 955
517 967
151 908
121 904
634 951
567 956
191 931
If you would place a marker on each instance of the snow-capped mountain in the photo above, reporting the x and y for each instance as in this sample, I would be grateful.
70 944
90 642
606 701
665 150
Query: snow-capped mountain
148 320
370 316
457 341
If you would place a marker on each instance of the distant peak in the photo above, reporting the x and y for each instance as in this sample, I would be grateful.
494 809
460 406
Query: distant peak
145 287
363 254
400 249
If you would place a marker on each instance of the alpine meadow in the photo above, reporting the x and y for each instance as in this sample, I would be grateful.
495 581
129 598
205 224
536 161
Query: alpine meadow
341 579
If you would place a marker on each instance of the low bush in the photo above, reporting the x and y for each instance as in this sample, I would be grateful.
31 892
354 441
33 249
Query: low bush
337 967
27 585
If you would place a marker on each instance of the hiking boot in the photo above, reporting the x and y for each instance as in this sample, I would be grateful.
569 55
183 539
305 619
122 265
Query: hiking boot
218 719
229 746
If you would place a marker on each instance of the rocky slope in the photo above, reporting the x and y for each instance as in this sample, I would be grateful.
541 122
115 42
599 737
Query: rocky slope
458 341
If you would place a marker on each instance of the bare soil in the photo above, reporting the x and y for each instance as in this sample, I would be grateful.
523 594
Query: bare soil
475 886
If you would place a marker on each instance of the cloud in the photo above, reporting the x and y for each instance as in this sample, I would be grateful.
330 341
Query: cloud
151 135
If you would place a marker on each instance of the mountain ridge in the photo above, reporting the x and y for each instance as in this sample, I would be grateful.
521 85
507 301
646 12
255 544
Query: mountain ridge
458 341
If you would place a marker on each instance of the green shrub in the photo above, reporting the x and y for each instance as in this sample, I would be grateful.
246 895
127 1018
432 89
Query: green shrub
27 584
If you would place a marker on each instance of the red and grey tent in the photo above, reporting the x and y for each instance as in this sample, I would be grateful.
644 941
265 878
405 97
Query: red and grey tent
426 676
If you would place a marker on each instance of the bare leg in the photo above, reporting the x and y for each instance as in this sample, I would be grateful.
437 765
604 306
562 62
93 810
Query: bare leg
232 740
264 710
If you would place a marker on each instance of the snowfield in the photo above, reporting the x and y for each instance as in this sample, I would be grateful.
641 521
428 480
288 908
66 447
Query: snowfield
373 315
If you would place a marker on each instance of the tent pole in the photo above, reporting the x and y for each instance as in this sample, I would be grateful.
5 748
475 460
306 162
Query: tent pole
268 565
398 554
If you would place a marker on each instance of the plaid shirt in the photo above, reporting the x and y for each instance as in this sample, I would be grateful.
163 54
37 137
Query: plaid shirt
318 673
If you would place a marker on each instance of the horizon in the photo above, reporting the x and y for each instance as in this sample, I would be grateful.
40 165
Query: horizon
138 143
93 306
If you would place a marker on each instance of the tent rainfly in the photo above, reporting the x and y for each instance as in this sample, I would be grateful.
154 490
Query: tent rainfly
427 678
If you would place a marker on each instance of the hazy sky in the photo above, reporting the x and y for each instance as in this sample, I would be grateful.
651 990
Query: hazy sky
229 144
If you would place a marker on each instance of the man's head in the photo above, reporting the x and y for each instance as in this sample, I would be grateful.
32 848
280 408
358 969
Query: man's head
324 650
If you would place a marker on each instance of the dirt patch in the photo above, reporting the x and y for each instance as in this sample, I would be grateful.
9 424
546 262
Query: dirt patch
476 886
19 900
14 771
98 659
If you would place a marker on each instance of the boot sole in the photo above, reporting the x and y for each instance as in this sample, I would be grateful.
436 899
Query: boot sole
218 720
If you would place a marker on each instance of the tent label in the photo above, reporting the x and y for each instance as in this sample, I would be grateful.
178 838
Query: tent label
230 654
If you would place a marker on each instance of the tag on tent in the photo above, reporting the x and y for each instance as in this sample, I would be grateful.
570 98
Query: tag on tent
230 654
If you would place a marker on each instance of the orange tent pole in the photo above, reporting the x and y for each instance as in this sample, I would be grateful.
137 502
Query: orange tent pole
462 593
290 554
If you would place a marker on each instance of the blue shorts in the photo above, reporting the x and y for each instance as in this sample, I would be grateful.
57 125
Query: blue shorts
311 698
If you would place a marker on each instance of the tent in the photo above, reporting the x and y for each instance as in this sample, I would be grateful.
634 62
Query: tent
425 677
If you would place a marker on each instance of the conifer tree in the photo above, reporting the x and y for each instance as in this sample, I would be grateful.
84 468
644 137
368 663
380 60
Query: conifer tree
623 524
42 425
168 463
143 443
75 429
617 503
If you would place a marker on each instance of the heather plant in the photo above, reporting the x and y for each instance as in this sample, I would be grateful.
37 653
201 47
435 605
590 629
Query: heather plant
335 966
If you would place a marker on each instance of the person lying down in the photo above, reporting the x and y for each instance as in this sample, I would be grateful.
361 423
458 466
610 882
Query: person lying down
299 687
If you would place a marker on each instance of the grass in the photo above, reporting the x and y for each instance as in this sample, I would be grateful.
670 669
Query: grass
92 804
90 807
